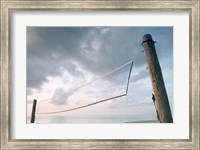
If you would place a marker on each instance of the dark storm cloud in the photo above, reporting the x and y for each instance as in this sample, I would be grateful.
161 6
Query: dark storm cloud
48 52
97 50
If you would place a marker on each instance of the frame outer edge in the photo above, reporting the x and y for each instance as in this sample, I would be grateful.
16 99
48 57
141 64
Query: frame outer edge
194 73
43 144
5 72
198 74
86 5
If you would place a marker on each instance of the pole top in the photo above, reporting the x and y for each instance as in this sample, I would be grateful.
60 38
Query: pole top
147 38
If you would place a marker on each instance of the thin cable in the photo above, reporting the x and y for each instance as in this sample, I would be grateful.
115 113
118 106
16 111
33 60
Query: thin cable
82 106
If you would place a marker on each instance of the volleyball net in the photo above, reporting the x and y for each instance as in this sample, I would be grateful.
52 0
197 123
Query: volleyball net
110 86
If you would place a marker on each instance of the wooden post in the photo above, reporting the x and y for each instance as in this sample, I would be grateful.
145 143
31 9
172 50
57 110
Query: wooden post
33 111
157 81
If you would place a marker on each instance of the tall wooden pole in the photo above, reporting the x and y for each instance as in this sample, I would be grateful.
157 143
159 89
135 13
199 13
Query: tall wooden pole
33 111
157 81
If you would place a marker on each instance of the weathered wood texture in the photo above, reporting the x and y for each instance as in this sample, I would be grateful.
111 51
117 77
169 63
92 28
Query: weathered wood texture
155 72
33 111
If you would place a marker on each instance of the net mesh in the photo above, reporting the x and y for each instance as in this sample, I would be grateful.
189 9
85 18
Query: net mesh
109 86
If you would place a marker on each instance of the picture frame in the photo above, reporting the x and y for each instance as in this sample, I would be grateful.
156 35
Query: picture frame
8 7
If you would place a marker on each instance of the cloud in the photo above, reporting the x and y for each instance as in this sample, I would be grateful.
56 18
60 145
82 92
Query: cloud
103 30
139 94
48 56
54 48
60 97
140 75
28 91
72 69
79 51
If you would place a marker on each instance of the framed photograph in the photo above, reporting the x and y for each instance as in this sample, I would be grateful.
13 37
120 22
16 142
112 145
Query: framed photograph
100 74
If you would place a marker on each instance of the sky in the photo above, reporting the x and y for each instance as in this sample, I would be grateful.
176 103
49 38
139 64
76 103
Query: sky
60 59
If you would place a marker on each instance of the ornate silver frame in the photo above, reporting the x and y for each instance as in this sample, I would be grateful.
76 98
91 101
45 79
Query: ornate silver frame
8 6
